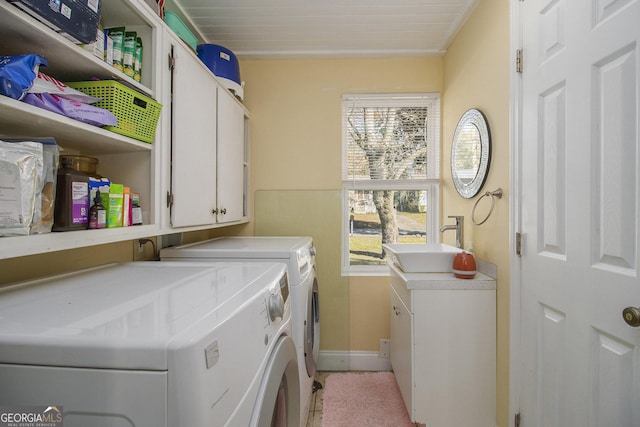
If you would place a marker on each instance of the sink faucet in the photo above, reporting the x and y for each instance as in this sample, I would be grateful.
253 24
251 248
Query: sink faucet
458 227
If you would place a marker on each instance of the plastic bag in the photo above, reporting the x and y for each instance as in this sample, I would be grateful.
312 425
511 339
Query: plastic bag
46 192
21 168
47 84
17 74
76 110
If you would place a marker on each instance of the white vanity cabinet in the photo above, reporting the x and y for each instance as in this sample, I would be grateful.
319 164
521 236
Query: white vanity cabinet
443 347
208 144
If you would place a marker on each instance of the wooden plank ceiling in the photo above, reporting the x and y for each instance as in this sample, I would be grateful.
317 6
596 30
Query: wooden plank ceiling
326 28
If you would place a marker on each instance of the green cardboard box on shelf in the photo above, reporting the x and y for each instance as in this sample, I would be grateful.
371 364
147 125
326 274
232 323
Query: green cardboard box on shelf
114 205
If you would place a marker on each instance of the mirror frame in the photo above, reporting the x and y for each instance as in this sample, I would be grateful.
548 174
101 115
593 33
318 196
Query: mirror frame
476 118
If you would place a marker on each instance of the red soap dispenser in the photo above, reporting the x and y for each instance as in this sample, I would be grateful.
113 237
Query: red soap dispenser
464 265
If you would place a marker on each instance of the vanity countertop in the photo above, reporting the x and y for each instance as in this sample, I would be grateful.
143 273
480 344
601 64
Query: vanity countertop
442 281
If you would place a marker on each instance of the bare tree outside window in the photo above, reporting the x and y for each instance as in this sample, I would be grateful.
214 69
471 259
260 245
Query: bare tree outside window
387 160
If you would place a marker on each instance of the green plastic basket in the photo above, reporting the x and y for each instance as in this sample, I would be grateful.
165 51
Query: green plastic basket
137 114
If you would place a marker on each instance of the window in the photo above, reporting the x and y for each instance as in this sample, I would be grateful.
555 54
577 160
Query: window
390 175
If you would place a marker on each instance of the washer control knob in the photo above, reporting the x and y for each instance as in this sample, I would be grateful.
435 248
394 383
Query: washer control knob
276 306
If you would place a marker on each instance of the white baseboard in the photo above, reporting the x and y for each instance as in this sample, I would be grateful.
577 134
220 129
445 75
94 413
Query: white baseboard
352 361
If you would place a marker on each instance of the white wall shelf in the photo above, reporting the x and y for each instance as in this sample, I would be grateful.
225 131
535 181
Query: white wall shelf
25 119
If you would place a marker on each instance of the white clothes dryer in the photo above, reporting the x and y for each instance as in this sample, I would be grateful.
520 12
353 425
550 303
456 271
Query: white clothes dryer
152 344
298 252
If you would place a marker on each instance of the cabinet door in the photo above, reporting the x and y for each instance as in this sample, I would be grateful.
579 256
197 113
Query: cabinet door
231 161
401 349
193 157
455 357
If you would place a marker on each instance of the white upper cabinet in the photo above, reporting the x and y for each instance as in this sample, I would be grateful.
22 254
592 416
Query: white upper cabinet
208 145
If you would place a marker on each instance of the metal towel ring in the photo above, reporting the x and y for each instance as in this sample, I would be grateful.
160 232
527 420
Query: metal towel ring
494 194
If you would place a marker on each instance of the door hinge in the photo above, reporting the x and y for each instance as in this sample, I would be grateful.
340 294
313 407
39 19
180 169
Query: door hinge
519 61
172 60
169 199
516 420
518 243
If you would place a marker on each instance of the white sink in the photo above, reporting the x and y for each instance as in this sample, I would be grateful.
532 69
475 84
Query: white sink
422 258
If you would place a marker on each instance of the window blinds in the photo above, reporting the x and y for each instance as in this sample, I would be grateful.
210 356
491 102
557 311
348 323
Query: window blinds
390 138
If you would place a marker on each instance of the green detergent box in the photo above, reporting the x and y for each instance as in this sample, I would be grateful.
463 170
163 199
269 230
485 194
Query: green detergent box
114 205
117 34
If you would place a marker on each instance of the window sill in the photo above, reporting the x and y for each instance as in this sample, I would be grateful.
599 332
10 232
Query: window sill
365 271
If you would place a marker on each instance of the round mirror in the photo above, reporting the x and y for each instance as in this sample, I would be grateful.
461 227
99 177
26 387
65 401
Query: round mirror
470 153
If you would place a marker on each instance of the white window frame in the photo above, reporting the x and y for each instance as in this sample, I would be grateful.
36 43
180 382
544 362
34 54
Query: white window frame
431 184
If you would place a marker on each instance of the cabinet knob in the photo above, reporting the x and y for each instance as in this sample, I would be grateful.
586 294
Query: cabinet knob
223 211
632 316
215 211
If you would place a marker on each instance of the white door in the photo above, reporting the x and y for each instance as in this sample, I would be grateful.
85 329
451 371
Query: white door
580 361
231 159
193 157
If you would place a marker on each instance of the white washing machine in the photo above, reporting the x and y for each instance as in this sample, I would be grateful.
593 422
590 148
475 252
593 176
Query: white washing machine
153 344
299 254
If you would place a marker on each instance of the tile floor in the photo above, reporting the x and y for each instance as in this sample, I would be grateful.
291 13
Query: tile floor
315 407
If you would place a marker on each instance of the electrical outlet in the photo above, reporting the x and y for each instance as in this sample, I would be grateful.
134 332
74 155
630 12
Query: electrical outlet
138 251
385 347
143 250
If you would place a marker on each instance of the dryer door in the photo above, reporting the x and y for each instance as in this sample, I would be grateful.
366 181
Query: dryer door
278 401
312 327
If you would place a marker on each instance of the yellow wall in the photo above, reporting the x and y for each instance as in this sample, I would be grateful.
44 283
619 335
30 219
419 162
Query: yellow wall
296 144
19 269
295 110
476 75
369 310
30 267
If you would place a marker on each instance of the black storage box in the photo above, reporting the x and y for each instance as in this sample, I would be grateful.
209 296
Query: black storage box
75 19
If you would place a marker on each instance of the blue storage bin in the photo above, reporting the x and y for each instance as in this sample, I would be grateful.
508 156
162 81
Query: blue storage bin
220 60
